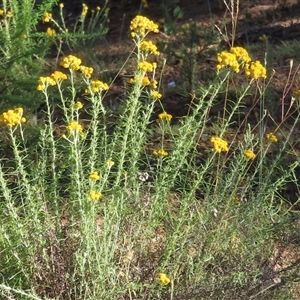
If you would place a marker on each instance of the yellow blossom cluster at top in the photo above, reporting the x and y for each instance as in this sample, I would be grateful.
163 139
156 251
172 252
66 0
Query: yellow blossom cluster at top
50 31
78 105
227 59
6 14
148 48
249 154
74 63
74 127
86 71
51 80
219 144
94 176
165 116
97 86
163 279
241 54
47 17
237 57
95 196
84 10
160 153
255 70
144 81
156 95
71 62
140 26
12 117
271 137
146 66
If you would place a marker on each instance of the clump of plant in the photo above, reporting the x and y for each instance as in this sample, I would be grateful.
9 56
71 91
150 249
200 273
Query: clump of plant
100 214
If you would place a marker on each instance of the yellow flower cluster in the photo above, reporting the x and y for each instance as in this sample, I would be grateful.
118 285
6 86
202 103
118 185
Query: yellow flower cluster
241 54
84 10
165 116
95 196
140 26
74 128
219 144
97 86
86 71
51 80
160 153
110 163
146 66
7 14
50 31
144 81
227 59
249 154
12 117
94 176
47 17
163 279
237 57
271 137
71 62
156 95
78 105
44 82
57 76
255 70
148 47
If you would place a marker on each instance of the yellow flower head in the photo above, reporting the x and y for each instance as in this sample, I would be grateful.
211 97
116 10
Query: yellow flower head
84 10
163 279
47 17
78 105
241 54
86 71
95 196
12 117
146 66
94 176
249 154
71 62
160 153
142 80
227 59
58 76
110 163
44 82
61 5
148 47
50 31
74 128
255 70
9 14
97 86
271 137
140 26
165 116
219 144
156 95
